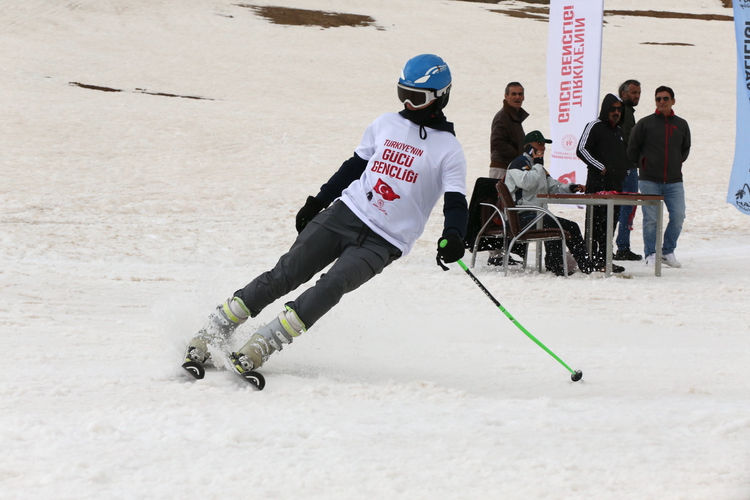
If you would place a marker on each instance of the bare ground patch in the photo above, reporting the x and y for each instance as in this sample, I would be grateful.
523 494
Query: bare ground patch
302 17
541 2
669 43
668 15
724 3
136 91
537 13
542 13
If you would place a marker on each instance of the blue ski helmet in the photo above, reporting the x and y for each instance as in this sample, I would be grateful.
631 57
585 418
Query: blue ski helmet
430 75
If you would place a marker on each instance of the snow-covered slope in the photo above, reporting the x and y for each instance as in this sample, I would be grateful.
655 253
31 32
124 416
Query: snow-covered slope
126 216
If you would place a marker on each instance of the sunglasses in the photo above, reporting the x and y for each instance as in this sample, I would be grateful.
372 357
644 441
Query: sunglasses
660 99
419 97
615 109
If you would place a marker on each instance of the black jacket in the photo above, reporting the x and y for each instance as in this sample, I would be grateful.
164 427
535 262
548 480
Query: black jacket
602 146
659 144
627 124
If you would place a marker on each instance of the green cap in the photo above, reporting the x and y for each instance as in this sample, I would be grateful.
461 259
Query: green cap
535 136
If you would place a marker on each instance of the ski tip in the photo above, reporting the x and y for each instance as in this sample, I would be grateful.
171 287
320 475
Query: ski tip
256 379
195 369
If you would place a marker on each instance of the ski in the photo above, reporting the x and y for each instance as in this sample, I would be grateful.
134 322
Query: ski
251 376
195 365
195 369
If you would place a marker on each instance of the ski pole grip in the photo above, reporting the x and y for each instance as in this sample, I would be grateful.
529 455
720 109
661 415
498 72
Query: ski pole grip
441 244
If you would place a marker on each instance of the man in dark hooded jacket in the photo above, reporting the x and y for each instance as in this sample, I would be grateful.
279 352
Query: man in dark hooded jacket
604 152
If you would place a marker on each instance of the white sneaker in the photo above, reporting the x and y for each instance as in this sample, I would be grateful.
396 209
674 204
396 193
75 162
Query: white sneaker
670 260
650 260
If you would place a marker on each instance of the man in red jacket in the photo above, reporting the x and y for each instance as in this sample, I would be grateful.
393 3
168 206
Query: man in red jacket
660 143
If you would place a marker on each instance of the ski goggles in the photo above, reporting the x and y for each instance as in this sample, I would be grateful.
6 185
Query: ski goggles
419 97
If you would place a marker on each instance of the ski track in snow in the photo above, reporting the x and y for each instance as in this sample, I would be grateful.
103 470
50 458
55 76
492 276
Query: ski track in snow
127 216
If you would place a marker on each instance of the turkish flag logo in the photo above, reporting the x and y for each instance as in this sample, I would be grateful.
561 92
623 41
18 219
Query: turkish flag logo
385 191
569 178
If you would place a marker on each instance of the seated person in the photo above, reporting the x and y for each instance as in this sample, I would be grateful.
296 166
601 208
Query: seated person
526 178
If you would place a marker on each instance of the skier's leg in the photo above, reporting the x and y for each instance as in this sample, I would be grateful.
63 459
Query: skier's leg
219 326
319 244
269 339
356 265
316 247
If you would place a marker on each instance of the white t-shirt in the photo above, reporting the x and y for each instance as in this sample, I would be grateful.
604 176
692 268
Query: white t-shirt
404 179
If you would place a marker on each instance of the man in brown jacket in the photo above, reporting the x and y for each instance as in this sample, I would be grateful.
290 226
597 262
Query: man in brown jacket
506 138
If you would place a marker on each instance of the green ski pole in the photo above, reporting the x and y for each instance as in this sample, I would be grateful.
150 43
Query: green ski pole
575 376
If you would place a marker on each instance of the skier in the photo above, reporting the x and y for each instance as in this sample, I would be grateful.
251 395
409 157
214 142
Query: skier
382 197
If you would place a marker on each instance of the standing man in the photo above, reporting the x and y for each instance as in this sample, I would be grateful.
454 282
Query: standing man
506 138
630 93
382 197
660 143
506 144
603 150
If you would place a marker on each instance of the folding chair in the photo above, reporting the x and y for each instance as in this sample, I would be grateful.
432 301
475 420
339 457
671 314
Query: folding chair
500 222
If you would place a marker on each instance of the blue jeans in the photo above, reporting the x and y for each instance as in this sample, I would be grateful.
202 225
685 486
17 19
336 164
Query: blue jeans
630 185
674 199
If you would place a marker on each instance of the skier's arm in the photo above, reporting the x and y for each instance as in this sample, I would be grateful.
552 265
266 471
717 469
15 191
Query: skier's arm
456 212
451 244
349 171
450 247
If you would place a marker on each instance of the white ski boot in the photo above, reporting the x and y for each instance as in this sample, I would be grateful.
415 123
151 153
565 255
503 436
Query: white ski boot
221 323
267 340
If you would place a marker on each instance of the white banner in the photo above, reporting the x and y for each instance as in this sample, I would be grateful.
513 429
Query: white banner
574 53
739 182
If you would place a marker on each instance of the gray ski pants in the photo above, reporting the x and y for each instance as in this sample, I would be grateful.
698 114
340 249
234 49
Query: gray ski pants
336 234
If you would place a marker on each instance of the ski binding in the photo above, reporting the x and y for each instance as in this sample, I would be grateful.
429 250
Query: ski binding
193 364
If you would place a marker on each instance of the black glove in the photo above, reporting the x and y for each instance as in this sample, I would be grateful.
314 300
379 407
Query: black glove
308 212
574 188
452 250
